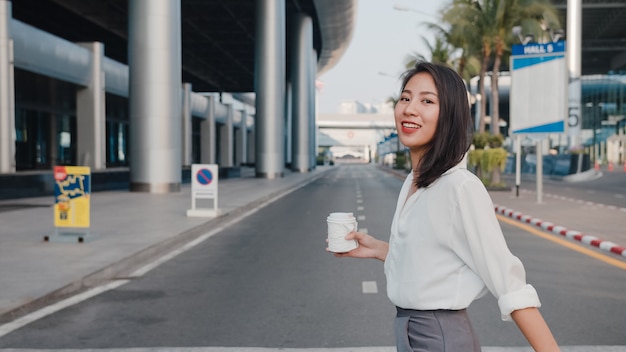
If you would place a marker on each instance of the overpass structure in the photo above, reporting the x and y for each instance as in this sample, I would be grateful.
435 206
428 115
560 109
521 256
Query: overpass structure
364 136
156 85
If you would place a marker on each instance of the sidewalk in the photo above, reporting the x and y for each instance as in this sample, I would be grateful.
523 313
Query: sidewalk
127 231
131 229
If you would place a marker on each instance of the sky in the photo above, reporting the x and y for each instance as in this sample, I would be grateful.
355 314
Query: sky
383 38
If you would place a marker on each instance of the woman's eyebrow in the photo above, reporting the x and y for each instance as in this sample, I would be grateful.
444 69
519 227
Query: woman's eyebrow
428 92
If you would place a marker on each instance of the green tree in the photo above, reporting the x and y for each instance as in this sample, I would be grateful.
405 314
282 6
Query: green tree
510 13
488 26
471 19
440 52
463 50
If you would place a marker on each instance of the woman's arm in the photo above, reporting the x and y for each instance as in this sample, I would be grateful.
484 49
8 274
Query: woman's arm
535 329
369 247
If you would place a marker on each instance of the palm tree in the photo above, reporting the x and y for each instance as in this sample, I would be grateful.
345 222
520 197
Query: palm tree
440 52
465 62
509 13
469 18
490 23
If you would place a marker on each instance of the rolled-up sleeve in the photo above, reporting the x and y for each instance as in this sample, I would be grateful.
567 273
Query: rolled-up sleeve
485 251
524 298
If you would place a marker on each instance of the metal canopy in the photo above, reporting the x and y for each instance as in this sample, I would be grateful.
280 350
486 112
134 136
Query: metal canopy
217 36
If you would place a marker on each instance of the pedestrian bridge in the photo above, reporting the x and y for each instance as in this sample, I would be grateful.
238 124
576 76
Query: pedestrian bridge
358 135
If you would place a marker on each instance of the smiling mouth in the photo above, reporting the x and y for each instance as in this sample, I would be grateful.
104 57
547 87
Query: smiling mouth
410 125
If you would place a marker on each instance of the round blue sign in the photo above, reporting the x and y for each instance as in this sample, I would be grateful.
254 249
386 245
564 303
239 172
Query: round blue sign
204 176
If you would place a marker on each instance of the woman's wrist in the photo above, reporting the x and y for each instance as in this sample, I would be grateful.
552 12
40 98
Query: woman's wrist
384 249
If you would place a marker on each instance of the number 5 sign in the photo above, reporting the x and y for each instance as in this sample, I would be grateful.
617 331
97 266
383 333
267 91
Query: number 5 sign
203 186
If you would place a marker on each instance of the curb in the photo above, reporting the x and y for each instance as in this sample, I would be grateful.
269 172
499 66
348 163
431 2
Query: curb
560 230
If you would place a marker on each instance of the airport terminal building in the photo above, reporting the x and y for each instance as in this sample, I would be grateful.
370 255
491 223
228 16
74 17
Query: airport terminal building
139 90
602 82
142 89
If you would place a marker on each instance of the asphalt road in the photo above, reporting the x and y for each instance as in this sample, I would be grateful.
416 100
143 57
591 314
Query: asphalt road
268 282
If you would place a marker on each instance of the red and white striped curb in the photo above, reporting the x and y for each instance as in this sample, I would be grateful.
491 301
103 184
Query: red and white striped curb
560 230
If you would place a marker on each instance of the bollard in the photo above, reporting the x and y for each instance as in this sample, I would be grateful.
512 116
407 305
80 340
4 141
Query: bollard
610 166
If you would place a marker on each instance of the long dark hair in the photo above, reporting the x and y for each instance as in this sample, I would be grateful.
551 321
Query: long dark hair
453 134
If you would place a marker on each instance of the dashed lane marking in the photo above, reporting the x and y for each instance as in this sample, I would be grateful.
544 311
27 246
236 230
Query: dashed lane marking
369 287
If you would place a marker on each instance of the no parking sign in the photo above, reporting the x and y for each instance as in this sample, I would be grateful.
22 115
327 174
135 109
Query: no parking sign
203 186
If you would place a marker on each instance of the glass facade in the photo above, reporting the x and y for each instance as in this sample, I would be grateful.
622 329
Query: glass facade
603 112
45 124
117 131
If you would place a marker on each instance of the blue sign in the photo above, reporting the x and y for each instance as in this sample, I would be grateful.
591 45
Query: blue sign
204 176
539 49
538 96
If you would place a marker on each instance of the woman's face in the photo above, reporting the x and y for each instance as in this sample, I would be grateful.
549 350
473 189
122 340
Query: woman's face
417 112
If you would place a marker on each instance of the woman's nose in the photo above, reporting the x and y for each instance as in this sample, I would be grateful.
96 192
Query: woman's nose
411 108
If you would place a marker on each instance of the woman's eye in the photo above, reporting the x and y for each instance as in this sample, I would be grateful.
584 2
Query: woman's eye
404 99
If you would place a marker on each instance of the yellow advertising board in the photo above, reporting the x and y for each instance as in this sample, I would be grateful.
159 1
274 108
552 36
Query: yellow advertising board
72 192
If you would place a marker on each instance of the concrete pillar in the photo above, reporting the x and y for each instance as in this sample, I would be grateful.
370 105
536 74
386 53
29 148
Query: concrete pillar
242 138
301 93
288 123
91 113
312 104
7 95
574 67
251 145
227 141
207 134
270 88
154 51
186 125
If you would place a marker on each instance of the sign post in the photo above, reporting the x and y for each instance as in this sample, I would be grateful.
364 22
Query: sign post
538 97
204 179
72 195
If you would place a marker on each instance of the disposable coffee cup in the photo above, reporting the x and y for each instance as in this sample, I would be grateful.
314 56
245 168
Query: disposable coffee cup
339 225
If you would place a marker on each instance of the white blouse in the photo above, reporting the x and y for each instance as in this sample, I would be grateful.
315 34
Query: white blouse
447 249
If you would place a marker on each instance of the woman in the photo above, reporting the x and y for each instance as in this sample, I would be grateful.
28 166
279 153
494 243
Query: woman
446 247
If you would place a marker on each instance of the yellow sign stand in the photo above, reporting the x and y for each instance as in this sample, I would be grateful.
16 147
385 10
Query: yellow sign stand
72 195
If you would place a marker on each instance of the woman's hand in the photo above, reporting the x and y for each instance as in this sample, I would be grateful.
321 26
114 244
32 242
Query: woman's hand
369 247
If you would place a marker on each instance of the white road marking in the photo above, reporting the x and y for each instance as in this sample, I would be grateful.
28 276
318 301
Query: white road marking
364 230
340 349
360 217
41 313
36 315
369 287
360 208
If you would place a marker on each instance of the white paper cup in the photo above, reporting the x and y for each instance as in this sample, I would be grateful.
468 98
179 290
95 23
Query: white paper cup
339 225
341 216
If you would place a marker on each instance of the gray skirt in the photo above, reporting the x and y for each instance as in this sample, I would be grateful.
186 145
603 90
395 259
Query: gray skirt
434 331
